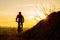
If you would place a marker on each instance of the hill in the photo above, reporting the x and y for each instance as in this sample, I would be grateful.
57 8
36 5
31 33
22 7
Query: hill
47 29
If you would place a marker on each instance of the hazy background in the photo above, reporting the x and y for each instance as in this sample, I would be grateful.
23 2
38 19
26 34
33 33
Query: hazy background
32 10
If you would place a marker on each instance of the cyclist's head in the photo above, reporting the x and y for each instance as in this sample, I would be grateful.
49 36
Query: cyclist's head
19 13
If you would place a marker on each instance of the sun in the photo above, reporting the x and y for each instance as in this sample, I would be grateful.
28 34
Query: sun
39 15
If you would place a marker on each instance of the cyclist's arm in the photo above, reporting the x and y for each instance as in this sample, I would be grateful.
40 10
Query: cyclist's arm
23 18
16 18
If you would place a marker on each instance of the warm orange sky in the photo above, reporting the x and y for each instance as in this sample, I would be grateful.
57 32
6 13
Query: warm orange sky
29 8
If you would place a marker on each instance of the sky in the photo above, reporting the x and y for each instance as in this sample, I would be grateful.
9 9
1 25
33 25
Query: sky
32 10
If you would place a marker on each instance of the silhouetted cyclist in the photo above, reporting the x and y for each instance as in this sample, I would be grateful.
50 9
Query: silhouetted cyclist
20 20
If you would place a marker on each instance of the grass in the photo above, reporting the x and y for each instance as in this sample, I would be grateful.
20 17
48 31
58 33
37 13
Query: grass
9 34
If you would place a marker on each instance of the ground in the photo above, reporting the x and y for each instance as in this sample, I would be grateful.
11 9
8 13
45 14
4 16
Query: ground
9 34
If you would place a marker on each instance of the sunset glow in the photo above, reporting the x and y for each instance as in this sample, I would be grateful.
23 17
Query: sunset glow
31 10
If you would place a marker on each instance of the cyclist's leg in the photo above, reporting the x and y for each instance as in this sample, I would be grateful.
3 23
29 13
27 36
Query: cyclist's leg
18 26
21 26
